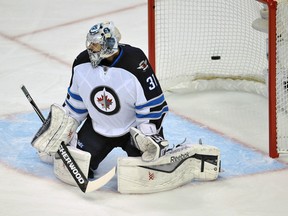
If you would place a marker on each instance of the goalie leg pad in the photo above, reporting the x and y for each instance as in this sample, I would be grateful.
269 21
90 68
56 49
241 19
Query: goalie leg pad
57 127
82 159
176 168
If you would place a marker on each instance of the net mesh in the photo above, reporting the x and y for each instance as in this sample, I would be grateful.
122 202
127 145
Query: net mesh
222 44
209 39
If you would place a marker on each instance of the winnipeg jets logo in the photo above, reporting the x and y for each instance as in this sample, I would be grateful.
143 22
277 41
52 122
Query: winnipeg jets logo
105 100
143 65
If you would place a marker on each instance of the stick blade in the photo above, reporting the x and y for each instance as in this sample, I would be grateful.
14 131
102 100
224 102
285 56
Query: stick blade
100 182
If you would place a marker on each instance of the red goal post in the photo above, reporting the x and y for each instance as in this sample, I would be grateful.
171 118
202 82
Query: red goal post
242 42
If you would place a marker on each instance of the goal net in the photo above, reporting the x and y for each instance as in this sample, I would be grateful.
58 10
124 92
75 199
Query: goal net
233 45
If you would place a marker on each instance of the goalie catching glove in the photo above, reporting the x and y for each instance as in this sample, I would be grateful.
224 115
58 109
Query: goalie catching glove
151 144
58 127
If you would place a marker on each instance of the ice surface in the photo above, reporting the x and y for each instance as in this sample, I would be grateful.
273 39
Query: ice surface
39 41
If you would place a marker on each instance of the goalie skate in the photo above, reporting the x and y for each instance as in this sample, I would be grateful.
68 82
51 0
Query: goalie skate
176 168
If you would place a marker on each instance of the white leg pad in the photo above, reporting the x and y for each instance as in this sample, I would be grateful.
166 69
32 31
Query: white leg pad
176 168
82 159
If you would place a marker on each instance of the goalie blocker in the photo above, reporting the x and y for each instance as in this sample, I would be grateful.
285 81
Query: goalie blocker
176 168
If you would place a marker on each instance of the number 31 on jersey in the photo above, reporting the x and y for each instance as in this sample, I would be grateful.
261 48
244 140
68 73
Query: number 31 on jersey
151 80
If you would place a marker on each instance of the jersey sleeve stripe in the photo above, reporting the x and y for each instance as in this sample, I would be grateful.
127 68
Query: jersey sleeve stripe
74 96
154 115
79 111
151 103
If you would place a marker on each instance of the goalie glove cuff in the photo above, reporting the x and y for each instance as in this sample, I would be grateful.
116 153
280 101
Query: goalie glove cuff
147 128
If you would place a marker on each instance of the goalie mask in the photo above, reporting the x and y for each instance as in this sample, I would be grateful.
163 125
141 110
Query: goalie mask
102 42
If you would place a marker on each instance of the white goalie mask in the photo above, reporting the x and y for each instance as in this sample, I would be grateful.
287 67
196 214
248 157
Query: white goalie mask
102 42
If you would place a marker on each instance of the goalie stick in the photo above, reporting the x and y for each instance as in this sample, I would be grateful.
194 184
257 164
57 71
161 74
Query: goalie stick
83 183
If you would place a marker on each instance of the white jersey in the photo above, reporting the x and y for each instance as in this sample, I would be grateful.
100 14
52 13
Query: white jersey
117 95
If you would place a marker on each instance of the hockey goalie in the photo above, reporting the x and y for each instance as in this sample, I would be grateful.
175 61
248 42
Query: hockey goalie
115 100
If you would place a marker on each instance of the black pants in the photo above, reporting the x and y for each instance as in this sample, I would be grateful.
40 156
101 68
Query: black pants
99 146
